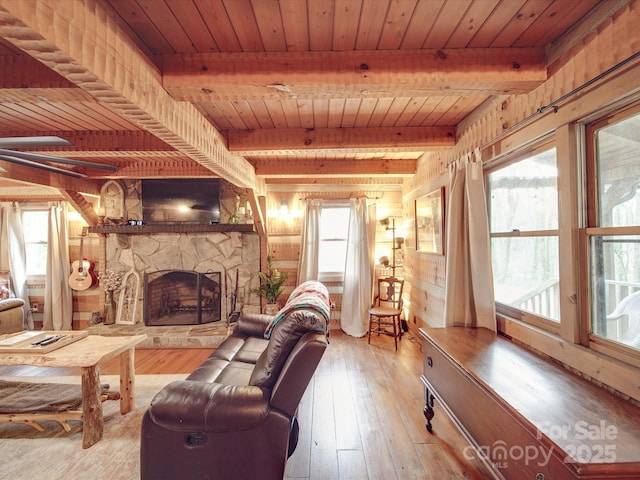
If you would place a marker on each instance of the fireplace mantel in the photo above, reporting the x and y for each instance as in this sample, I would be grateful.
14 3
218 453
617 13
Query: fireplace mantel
172 228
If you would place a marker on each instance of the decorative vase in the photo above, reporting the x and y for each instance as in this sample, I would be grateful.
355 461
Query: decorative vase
109 309
271 309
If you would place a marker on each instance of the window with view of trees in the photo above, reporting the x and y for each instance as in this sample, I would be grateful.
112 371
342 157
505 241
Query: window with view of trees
334 228
35 227
523 215
613 230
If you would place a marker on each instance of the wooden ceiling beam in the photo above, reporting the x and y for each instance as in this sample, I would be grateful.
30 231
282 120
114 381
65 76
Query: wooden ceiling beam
352 140
103 61
41 177
390 182
82 206
352 74
163 168
295 168
91 142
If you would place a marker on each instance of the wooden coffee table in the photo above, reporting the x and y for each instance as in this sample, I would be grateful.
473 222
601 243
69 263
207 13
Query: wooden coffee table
87 353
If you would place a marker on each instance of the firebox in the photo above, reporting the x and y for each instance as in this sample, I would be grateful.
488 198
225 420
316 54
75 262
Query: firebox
182 297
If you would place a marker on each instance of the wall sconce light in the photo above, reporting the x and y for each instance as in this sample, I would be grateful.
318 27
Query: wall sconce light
284 209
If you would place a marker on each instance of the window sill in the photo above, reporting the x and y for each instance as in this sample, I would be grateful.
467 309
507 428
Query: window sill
593 364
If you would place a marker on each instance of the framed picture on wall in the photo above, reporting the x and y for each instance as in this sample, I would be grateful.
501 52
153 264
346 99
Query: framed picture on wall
430 222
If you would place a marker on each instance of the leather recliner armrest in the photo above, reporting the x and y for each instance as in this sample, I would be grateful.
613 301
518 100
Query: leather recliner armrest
253 324
210 407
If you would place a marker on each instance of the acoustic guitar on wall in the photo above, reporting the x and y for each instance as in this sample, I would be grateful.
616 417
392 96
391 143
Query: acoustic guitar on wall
82 276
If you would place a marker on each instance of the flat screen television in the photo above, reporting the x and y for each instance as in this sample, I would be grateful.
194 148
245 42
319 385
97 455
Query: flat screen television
181 200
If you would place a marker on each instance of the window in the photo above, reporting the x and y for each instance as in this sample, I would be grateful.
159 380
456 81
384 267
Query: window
334 229
523 216
613 227
35 225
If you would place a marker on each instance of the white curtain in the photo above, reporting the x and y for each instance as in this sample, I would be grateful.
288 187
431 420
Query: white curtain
358 272
310 241
58 309
469 299
13 257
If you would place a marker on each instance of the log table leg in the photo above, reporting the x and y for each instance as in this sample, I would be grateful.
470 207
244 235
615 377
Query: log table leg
127 380
93 421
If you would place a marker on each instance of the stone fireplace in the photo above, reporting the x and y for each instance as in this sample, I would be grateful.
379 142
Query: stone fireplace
210 267
207 272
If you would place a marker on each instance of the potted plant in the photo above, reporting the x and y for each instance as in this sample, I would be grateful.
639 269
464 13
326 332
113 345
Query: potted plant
271 286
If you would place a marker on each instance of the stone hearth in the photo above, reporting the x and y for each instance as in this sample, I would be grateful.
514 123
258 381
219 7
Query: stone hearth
208 335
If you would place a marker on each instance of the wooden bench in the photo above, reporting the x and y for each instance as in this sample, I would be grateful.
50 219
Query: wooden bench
525 416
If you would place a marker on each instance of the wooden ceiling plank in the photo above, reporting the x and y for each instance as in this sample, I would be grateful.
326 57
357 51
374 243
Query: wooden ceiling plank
195 28
320 113
281 75
253 142
522 20
215 17
261 113
135 17
269 21
244 24
320 24
424 16
351 107
380 112
396 109
395 24
280 113
414 106
372 18
336 112
37 116
211 111
471 21
91 60
365 110
500 17
165 21
296 32
17 122
443 27
347 14
241 113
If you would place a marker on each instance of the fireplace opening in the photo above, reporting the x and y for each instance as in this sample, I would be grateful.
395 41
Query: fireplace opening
182 297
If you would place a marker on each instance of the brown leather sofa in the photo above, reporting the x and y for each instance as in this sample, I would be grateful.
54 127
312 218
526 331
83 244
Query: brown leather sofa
234 417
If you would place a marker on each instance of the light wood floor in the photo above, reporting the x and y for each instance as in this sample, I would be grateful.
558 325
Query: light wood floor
360 418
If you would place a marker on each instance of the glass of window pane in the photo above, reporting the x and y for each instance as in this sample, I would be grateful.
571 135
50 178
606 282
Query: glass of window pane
618 173
526 273
523 196
615 286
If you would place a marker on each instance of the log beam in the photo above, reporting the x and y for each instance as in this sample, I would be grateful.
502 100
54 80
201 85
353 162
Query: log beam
41 177
348 74
340 140
324 168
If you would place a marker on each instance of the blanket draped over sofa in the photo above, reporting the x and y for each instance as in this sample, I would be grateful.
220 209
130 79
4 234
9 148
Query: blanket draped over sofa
235 414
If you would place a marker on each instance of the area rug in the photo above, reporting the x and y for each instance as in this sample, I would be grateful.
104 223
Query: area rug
55 454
